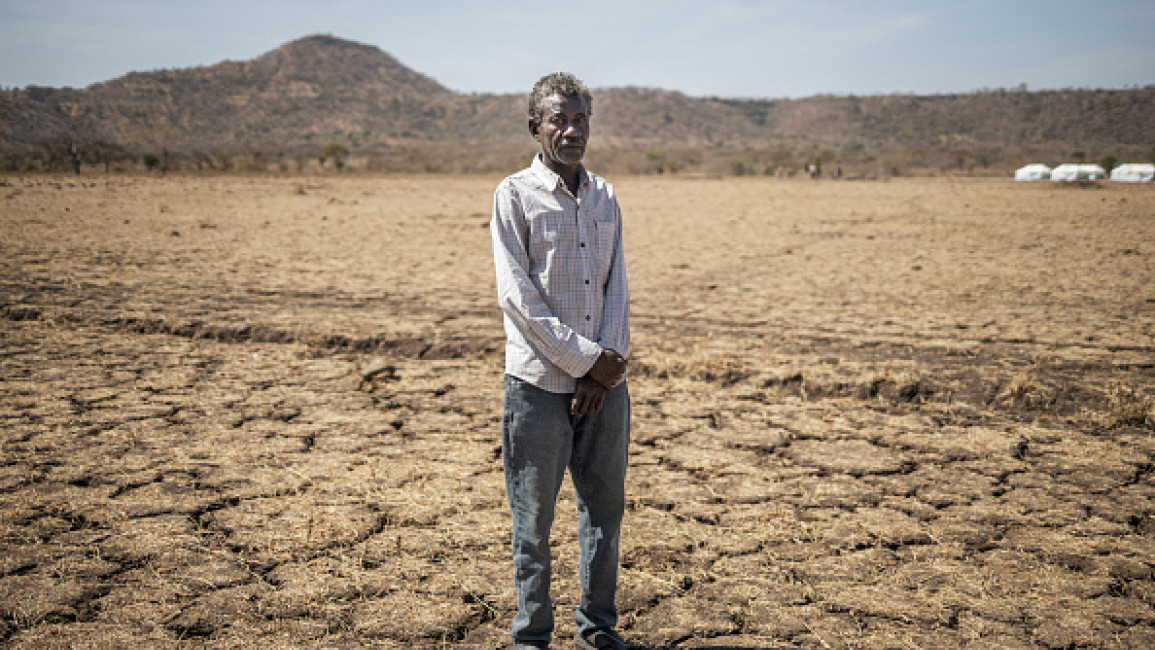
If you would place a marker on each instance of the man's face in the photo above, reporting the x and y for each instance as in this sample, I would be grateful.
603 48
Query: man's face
564 130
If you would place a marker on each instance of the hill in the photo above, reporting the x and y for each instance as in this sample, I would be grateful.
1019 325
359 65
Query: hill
280 109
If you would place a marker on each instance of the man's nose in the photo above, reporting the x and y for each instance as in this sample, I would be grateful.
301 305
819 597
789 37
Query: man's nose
572 129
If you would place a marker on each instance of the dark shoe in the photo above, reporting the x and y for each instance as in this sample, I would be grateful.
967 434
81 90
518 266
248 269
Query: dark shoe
603 640
531 646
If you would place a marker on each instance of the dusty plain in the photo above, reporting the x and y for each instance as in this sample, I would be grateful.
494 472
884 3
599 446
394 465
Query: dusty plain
264 412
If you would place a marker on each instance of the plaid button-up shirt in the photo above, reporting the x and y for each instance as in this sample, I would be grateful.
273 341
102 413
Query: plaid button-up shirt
561 275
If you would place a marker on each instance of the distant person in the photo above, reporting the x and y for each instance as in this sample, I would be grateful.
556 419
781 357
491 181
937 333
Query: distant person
561 284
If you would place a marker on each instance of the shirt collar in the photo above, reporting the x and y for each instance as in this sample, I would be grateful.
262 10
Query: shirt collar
551 179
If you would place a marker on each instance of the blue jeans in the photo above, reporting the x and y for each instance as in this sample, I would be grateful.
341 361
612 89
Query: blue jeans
539 440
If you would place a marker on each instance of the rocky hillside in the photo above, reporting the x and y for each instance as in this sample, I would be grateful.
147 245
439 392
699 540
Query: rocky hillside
318 84
320 90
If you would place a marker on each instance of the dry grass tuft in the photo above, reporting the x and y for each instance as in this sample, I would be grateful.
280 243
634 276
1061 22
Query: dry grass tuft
1019 388
696 366
897 386
1128 408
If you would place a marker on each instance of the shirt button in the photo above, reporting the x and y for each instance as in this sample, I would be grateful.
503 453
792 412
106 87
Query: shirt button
583 244
587 281
587 317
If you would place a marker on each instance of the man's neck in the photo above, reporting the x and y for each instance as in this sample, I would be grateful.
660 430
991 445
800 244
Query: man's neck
570 174
572 180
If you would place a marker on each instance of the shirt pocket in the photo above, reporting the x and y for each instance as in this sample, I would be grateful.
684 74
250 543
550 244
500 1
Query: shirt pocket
547 234
605 235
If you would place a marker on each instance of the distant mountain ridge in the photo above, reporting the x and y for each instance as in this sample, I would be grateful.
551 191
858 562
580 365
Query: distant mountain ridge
321 89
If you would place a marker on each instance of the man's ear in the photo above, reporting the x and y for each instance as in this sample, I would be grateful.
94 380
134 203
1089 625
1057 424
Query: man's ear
533 127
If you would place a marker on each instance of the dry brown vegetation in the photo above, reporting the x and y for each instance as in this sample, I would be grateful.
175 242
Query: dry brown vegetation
263 412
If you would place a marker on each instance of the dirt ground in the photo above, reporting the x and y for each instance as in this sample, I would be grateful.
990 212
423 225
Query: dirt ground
264 412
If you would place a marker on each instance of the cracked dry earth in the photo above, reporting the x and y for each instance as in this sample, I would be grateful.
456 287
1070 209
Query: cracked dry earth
263 411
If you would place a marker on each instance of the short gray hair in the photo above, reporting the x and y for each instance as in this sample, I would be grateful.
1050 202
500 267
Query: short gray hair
557 83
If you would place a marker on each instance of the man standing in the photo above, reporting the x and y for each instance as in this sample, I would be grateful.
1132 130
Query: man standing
561 284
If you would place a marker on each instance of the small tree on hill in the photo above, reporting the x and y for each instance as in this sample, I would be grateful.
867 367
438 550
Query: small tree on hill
66 153
105 153
1108 163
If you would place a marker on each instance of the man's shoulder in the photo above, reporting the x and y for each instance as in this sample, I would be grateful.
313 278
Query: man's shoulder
519 180
599 184
520 175
598 181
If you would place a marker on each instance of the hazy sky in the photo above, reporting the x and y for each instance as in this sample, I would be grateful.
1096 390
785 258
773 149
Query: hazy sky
730 48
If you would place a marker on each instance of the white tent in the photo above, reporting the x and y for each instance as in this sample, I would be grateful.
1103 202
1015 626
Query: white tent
1035 172
1133 173
1072 172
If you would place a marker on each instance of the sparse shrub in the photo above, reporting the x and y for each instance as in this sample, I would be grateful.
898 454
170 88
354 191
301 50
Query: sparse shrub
150 160
1126 408
959 157
1108 163
32 161
202 160
336 152
984 157
251 163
